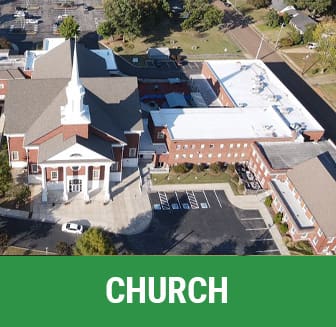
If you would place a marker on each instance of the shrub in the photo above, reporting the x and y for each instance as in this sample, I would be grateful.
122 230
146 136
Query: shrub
230 169
22 194
283 228
3 241
268 201
286 42
259 3
215 167
272 18
315 71
63 248
277 217
118 49
235 179
182 168
241 189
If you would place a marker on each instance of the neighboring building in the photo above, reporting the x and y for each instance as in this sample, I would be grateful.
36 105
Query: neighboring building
301 22
273 160
72 125
158 53
281 7
306 197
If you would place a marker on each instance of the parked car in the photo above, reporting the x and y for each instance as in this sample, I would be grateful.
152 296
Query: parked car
312 45
72 228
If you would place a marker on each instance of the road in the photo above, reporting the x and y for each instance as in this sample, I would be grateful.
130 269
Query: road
34 234
249 40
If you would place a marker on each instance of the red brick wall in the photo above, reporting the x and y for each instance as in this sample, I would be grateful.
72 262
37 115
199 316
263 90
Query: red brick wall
60 174
153 131
219 90
132 142
3 91
32 159
313 136
16 144
71 130
117 152
48 136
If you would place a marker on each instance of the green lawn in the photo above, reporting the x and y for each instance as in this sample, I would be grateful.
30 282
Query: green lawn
329 91
14 250
306 63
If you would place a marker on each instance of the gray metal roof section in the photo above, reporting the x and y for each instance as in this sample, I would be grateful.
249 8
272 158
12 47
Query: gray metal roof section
57 63
57 144
301 21
316 184
278 5
286 155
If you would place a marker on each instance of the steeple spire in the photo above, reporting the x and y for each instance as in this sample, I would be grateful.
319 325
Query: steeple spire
75 112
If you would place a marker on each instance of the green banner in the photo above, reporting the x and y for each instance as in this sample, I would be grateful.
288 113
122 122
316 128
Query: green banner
261 291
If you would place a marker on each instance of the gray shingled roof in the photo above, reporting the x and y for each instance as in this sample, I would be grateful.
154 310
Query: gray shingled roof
317 187
57 63
301 21
287 155
57 144
278 5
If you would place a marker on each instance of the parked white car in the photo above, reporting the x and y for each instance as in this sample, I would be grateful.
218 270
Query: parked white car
312 45
72 228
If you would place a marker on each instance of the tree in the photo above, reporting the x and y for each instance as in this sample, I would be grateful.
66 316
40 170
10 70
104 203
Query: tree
3 241
272 18
212 17
22 194
105 29
308 34
5 172
259 3
294 35
69 28
325 36
286 18
63 248
94 242
315 6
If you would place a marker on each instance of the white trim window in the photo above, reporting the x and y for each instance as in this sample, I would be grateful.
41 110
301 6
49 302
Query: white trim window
221 146
200 155
34 168
319 232
114 167
2 86
202 146
160 136
219 155
15 155
315 240
191 155
95 174
54 175
331 239
176 156
132 152
245 145
210 155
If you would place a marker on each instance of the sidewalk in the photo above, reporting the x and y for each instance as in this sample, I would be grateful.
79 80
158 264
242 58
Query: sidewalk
246 202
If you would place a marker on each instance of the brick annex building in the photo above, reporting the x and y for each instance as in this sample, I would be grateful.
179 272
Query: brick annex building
71 124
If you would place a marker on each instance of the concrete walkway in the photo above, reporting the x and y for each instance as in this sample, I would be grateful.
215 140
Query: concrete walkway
246 202
128 212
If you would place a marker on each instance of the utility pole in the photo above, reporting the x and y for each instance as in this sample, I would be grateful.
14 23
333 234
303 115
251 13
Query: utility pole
261 41
277 41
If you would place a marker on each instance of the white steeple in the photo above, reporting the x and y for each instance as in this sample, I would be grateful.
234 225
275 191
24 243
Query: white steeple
75 112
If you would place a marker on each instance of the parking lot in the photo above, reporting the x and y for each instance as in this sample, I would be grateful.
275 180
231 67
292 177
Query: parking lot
202 222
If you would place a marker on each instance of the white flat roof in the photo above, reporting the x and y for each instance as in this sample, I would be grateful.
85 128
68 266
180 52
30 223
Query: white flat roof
50 43
251 84
222 123
294 205
108 56
31 56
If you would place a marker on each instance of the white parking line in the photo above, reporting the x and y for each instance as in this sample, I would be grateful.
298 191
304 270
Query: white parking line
217 198
206 199
249 229
261 240
178 201
267 251
252 219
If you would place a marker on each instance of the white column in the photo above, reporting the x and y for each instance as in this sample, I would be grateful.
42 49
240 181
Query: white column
65 184
107 195
44 185
85 184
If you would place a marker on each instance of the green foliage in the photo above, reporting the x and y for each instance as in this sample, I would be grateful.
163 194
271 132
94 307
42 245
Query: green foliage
117 49
314 6
94 242
259 3
22 194
308 35
105 29
63 248
5 172
69 28
4 239
216 167
286 42
278 217
230 169
283 228
201 13
294 35
325 35
268 201
285 18
235 179
182 168
272 18
241 189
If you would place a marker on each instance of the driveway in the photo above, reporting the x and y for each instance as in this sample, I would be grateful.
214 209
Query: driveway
201 222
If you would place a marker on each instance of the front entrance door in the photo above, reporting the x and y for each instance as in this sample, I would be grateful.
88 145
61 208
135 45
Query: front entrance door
75 185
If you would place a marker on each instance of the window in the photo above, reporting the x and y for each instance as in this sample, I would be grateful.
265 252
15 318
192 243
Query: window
202 146
236 155
221 146
160 136
176 156
219 155
229 155
34 168
15 155
95 174
315 240
114 167
54 175
238 145
184 155
193 146
210 155
178 146
191 155
2 86
212 146
185 146
319 232
293 230
305 235
132 152
75 168
200 155
331 239
231 146
242 155
253 153
245 145
262 166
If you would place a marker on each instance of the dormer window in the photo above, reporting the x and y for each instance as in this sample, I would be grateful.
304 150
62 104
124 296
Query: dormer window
75 155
